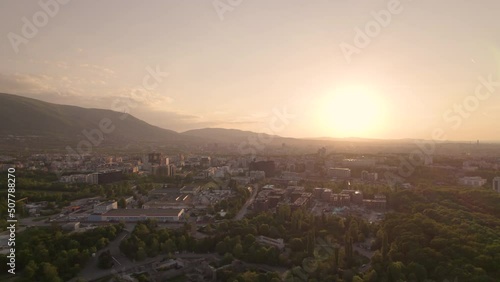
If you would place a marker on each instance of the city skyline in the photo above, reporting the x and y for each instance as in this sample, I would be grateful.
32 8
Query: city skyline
188 66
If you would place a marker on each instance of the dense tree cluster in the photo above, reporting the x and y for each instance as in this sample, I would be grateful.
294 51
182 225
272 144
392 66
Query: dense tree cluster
49 254
148 240
302 232
248 276
105 260
438 234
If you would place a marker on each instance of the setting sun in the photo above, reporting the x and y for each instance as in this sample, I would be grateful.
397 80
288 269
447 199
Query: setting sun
352 111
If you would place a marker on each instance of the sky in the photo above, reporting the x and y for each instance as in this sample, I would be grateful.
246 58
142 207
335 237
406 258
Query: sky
345 68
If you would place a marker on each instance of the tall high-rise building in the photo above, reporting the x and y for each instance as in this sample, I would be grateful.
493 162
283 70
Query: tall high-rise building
496 184
164 161
171 170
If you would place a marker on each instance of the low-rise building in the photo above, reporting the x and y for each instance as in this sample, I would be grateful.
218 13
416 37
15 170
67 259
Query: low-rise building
74 178
134 215
261 204
375 204
257 174
317 192
357 198
340 200
472 181
182 201
278 243
105 206
109 176
353 163
496 184
301 202
190 189
326 195
378 203
71 226
339 172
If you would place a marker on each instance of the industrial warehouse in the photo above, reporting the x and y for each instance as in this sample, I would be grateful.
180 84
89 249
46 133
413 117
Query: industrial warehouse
134 215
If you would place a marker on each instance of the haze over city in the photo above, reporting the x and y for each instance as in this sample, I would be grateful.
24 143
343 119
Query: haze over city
244 141
234 66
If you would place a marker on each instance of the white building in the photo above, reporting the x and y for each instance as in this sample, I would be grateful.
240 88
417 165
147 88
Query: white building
71 226
358 162
165 161
472 181
278 243
496 184
105 206
92 178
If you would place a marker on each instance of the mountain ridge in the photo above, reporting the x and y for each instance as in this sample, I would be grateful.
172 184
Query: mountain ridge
32 123
22 116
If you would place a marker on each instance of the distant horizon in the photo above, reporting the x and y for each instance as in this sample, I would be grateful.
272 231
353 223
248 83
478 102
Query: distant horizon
294 137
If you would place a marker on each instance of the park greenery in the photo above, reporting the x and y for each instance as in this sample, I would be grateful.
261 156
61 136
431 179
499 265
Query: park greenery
51 254
247 276
439 234
149 240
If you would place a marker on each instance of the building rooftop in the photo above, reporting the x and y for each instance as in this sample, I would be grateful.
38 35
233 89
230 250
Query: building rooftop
472 178
105 203
143 212
300 201
190 189
164 191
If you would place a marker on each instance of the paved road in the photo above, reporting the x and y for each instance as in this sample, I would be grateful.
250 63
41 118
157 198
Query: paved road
269 268
366 253
244 209
215 256
92 272
34 221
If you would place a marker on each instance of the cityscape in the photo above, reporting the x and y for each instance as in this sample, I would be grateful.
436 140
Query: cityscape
250 141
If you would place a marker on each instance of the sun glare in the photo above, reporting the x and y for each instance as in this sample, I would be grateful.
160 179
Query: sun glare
352 112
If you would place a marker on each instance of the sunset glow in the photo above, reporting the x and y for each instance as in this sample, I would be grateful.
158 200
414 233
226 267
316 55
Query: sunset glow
351 111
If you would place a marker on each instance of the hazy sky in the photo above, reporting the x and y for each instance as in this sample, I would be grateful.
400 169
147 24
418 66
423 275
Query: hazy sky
231 66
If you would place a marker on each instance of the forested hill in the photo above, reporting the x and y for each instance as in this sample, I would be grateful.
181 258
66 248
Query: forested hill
29 122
